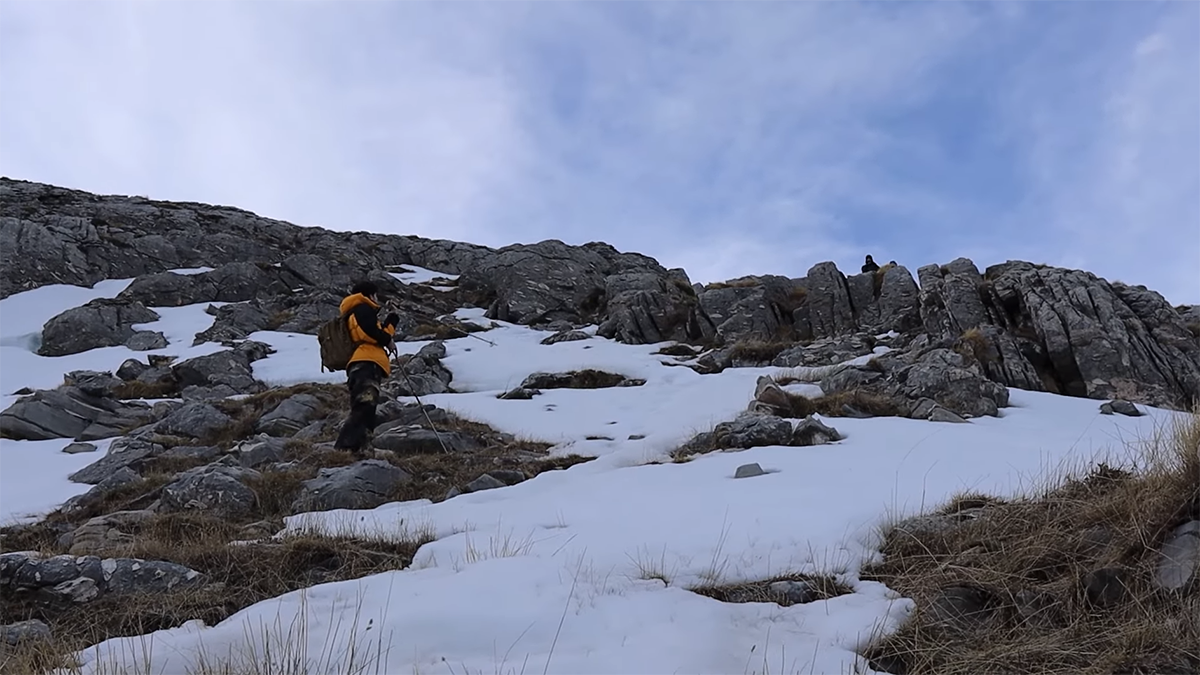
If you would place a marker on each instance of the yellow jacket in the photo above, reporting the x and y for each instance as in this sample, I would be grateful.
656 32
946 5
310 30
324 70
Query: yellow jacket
366 330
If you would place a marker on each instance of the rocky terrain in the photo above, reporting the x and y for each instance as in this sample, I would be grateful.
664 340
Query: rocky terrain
203 454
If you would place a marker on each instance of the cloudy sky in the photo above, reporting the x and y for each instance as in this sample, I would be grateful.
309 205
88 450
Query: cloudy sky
725 138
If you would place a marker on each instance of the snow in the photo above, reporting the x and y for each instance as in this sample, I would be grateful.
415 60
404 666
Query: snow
34 482
419 275
190 271
579 546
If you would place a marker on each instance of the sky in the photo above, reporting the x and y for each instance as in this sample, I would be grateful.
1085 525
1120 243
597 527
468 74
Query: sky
725 138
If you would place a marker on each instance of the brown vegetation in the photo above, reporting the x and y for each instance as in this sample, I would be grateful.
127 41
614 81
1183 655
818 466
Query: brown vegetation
1034 565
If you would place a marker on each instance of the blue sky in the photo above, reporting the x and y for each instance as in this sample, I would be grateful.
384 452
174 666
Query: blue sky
726 138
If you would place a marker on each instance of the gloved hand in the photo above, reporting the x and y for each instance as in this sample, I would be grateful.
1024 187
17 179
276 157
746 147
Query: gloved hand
393 319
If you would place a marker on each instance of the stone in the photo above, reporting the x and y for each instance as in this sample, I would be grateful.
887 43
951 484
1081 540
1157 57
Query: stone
414 440
792 592
100 323
940 414
68 412
1105 587
195 419
812 431
290 415
565 336
78 448
127 452
105 533
260 450
1126 408
77 591
92 383
146 340
127 576
830 310
581 379
230 367
508 476
749 471
214 488
751 430
1179 557
767 391
362 485
484 482
117 479
959 608
130 369
519 394
33 630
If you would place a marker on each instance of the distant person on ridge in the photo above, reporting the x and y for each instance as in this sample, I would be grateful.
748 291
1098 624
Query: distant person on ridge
370 364
870 265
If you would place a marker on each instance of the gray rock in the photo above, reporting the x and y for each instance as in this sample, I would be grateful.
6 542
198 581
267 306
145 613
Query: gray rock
414 440
942 375
1105 587
829 304
260 450
99 323
128 452
362 485
200 453
145 340
68 412
508 476
940 414
393 413
565 336
751 309
215 488
46 572
751 430
106 533
230 367
290 416
20 632
812 431
645 306
118 479
92 383
1179 558
484 482
960 608
749 471
792 592
1124 408
76 591
131 369
78 448
194 420
580 379
235 322
519 394
126 576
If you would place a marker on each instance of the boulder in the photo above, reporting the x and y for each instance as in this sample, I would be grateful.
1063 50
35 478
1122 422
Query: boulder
216 488
126 452
230 368
146 340
194 419
812 431
749 471
362 485
1179 558
68 412
99 323
751 430
290 415
567 335
23 632
415 440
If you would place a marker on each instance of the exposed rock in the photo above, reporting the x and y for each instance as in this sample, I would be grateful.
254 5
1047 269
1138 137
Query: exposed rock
362 485
99 323
484 482
519 394
235 322
68 412
648 306
415 440
392 413
1179 558
126 576
131 369
147 340
749 471
579 379
263 449
117 479
78 448
1121 407
566 336
230 367
752 308
942 375
92 383
194 420
812 431
290 415
830 310
940 414
21 632
126 452
1105 587
750 430
215 488
508 476
423 373
106 533
788 592
827 351
959 608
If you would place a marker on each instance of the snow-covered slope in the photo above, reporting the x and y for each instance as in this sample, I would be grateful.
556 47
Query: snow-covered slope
586 570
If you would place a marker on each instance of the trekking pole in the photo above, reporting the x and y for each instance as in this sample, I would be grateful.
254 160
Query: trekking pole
428 420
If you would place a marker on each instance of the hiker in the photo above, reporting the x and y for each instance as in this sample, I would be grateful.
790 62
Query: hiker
870 265
369 365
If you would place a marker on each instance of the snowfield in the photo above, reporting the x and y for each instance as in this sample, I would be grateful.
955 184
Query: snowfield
584 570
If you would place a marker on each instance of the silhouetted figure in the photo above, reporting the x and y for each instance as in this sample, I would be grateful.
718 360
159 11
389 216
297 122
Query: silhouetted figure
870 266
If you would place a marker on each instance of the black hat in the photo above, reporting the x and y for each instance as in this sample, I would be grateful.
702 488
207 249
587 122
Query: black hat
367 288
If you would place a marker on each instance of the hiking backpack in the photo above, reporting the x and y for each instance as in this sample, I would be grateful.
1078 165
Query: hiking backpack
337 347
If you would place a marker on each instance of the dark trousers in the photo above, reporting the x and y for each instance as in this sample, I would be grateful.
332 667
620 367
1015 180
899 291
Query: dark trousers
363 379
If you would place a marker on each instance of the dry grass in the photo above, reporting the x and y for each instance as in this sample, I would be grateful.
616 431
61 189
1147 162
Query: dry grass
834 405
757 350
823 587
246 412
138 389
974 344
1041 547
741 282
